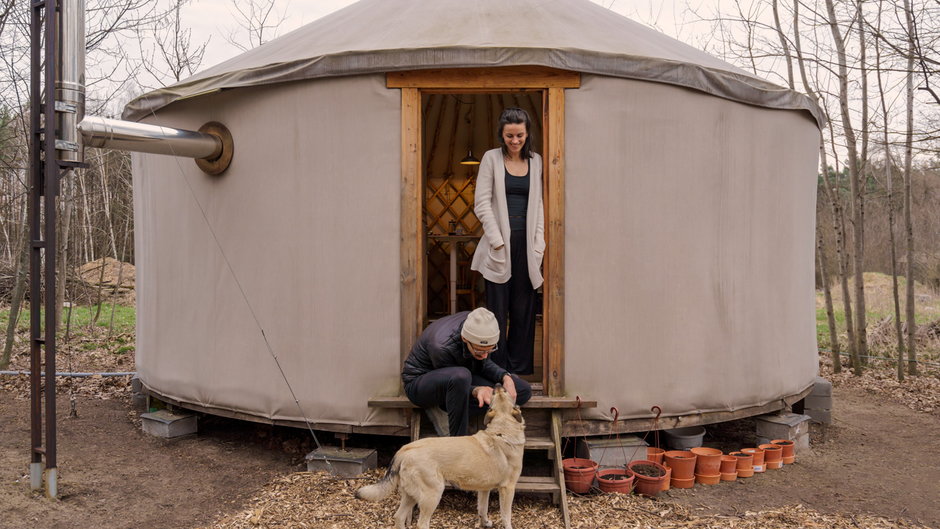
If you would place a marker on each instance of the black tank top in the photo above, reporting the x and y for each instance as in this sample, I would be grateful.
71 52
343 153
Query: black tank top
517 199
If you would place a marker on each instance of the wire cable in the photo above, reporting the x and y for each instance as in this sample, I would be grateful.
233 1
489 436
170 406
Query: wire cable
244 295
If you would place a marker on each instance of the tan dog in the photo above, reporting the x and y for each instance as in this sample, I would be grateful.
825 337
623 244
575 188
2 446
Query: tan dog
489 459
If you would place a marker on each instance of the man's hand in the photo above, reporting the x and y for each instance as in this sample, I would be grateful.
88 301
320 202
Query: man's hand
484 395
510 386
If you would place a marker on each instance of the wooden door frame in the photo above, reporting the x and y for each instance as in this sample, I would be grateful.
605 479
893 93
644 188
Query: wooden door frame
552 83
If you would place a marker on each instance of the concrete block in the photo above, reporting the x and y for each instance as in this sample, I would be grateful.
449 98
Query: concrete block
821 416
782 425
139 401
136 385
167 424
821 388
801 444
343 463
817 402
612 452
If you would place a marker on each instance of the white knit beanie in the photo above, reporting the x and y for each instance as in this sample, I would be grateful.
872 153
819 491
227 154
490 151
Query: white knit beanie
480 328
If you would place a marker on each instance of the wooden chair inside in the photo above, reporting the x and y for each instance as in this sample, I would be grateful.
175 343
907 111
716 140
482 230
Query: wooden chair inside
466 283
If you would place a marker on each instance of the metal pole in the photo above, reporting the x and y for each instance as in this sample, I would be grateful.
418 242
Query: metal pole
35 247
70 78
51 178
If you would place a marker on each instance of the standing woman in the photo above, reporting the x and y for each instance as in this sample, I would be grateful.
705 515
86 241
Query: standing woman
508 201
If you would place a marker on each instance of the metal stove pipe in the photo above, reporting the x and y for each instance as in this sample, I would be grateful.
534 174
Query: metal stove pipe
70 79
140 137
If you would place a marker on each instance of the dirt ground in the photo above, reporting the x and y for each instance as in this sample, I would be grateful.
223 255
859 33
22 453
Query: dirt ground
114 476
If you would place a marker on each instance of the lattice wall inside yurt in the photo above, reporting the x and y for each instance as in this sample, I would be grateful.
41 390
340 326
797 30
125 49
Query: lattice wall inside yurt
455 126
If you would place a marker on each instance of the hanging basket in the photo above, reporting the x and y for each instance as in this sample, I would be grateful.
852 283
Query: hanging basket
579 474
618 480
649 476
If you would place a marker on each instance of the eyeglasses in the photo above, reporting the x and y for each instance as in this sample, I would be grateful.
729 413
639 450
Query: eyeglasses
481 351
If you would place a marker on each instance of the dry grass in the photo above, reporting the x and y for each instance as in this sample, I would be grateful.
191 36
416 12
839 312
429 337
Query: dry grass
318 500
879 296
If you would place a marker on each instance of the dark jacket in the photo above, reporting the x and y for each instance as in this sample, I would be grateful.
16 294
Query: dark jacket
440 346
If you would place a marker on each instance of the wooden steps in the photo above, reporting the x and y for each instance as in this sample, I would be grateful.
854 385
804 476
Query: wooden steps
543 441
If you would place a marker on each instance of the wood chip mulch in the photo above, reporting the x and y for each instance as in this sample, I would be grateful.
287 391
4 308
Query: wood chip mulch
318 500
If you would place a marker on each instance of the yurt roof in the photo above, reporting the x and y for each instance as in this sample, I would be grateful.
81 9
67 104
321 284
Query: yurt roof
392 35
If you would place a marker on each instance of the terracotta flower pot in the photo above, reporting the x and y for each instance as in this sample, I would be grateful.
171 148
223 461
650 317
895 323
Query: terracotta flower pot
615 480
758 454
648 476
729 464
789 455
745 467
668 479
682 463
729 476
655 454
679 483
707 480
773 455
579 474
707 460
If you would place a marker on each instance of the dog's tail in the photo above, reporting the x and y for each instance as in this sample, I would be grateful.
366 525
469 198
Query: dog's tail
384 487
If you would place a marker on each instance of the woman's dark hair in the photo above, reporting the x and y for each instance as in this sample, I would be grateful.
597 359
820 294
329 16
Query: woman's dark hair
515 115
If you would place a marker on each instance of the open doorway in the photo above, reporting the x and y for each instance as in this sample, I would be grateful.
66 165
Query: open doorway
459 127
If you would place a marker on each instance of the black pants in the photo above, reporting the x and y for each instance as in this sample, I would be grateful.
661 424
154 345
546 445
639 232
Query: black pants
449 388
516 299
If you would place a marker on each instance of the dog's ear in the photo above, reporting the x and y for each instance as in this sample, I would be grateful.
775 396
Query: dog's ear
517 413
488 417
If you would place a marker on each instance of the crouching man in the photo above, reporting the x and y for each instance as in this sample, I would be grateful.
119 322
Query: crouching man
449 366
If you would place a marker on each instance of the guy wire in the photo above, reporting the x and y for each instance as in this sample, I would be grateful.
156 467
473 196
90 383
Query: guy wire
251 309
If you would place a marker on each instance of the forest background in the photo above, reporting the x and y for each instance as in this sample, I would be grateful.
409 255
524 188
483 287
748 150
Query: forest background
870 65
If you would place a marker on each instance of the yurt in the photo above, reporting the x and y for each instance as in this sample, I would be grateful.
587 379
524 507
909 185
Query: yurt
679 197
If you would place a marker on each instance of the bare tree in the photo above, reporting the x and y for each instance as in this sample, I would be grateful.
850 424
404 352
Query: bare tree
908 162
258 22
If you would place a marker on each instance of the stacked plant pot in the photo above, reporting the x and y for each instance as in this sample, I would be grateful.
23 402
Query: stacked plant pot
707 465
745 467
788 447
682 463
773 455
758 454
729 468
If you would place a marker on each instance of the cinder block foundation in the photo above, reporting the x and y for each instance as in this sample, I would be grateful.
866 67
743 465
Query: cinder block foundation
343 463
818 404
168 424
790 426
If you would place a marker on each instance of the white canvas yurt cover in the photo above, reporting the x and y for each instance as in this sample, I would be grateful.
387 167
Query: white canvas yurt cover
272 292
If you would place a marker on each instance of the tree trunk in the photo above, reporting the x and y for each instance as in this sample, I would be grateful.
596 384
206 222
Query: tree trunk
783 43
889 186
19 292
831 193
908 223
62 257
834 346
855 211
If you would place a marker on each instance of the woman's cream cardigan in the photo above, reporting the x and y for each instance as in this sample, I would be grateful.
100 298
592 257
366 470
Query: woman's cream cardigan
490 207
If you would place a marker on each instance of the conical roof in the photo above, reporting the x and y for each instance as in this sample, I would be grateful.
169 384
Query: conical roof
392 35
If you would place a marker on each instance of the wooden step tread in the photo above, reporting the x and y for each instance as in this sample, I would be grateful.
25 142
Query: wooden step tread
537 484
537 401
539 443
